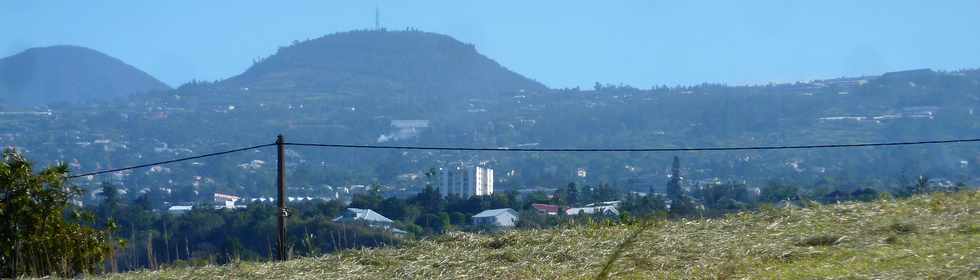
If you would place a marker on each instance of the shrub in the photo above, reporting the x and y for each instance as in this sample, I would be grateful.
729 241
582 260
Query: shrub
821 240
38 240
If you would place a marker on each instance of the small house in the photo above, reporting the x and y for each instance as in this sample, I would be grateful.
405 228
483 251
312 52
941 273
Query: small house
370 218
546 209
179 209
505 217
226 201
367 216
594 210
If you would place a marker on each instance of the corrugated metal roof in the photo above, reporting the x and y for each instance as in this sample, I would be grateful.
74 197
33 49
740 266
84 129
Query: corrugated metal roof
180 208
592 210
495 212
546 207
357 214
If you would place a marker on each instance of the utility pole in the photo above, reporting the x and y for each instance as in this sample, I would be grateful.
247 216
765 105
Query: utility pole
283 212
377 18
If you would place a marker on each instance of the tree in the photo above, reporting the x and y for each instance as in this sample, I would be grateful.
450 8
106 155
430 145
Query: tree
458 218
730 196
683 206
534 197
599 193
674 190
110 200
429 199
393 208
921 185
432 222
643 206
571 194
38 239
370 200
501 200
776 192
431 177
865 194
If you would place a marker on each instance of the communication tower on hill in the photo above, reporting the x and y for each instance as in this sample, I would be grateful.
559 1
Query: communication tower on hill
377 18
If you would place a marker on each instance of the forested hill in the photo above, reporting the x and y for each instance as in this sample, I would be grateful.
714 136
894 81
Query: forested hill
44 75
384 62
417 88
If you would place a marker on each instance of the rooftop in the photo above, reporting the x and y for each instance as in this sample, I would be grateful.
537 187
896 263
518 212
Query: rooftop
357 214
495 212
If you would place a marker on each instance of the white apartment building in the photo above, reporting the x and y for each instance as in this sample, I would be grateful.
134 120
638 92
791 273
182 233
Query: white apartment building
466 181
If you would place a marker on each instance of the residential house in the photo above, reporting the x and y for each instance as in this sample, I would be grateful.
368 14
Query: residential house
370 218
593 210
605 203
225 201
179 209
505 217
366 216
546 209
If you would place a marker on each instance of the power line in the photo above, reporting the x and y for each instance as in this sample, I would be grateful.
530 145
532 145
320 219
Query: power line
443 148
787 147
169 161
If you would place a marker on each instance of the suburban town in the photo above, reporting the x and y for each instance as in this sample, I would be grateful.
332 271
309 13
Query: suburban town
489 140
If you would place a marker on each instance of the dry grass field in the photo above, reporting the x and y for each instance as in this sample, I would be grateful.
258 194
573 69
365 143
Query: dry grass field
933 236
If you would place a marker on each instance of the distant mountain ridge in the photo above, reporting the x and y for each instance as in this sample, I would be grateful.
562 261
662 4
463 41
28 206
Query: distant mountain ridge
359 87
66 73
385 61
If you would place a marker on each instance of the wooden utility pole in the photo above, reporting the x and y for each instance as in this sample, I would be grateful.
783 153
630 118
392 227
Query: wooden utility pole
283 213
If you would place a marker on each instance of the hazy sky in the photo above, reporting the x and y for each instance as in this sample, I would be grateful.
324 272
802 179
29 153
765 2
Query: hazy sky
560 43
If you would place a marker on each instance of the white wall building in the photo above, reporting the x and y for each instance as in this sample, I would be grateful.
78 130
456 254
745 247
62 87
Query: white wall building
505 217
466 181
593 210
180 209
226 201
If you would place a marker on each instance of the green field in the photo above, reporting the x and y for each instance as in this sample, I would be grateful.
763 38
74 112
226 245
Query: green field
925 237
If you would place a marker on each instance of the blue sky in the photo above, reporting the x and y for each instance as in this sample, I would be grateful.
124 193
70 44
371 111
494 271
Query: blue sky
560 43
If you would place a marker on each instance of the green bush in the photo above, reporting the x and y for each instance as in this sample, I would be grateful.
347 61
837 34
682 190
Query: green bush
37 239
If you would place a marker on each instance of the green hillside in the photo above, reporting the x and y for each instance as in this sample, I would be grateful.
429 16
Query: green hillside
925 237
357 87
381 63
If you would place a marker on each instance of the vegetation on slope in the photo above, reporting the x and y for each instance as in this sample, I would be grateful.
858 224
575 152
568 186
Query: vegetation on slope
353 88
382 63
925 237
36 237
56 74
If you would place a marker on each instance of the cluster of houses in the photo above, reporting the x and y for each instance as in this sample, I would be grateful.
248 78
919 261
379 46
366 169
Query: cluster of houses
221 201
608 208
227 201
494 218
464 181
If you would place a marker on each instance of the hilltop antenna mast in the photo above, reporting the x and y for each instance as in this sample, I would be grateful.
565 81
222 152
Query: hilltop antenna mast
377 18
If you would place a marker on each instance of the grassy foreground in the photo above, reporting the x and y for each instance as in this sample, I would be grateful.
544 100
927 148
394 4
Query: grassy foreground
926 237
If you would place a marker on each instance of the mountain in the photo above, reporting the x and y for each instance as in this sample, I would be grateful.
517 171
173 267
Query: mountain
382 61
69 74
422 89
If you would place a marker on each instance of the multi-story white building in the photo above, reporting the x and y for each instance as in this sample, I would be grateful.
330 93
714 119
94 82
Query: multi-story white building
466 181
